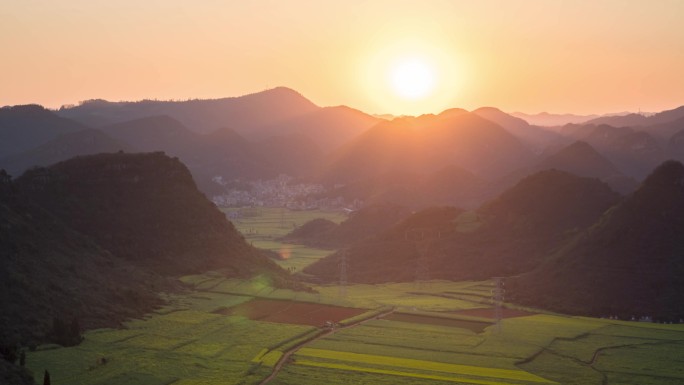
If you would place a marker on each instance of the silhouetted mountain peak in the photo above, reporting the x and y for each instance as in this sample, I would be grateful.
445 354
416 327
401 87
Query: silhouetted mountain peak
553 196
452 112
25 109
582 159
633 120
488 109
28 126
281 91
669 174
284 95
501 118
115 198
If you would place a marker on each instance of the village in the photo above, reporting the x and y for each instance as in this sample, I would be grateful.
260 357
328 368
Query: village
282 191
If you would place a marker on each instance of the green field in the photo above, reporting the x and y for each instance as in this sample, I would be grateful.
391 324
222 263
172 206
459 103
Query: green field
425 341
187 343
264 225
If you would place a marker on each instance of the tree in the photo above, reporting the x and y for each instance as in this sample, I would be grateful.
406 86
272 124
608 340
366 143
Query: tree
22 359
46 378
66 335
9 352
58 330
75 331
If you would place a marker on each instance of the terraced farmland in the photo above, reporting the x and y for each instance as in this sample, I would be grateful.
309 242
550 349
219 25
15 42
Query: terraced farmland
191 342
438 333
263 226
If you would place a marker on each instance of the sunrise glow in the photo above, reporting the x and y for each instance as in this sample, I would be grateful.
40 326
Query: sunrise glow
413 78
517 55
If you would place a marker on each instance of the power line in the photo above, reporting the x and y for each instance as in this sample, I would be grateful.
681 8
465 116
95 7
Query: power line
423 239
343 274
498 298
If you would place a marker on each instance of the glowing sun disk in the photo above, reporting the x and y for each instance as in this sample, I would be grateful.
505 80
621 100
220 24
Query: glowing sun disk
412 78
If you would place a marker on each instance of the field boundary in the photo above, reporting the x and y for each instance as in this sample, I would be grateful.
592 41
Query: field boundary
323 333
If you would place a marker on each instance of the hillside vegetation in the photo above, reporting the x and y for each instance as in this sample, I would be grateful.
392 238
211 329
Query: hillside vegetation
630 263
510 234
96 238
361 224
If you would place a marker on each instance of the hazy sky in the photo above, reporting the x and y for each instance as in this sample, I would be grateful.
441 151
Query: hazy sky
558 56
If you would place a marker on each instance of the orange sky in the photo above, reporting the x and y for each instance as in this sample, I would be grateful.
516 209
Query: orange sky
558 56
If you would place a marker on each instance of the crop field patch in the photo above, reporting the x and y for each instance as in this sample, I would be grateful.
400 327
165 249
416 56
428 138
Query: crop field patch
411 367
491 313
417 336
398 373
189 342
289 312
316 375
475 326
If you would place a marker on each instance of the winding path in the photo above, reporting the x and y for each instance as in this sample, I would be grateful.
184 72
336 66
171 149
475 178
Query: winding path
286 355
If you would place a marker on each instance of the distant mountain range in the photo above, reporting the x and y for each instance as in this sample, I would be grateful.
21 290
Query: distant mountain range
534 137
539 198
427 144
549 120
104 210
450 185
566 243
636 120
508 235
278 131
67 145
23 128
245 114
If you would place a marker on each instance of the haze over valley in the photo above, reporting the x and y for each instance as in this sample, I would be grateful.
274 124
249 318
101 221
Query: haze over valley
291 200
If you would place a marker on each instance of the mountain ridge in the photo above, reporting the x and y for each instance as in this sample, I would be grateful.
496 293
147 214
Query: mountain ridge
628 264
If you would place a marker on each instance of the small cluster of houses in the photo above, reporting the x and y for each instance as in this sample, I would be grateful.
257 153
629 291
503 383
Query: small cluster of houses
282 191
644 318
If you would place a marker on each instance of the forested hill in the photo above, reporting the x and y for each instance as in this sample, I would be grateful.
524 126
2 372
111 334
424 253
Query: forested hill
144 208
92 241
630 263
508 235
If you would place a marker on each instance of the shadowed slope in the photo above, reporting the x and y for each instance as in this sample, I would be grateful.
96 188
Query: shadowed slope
361 224
25 127
511 234
629 263
144 208
48 270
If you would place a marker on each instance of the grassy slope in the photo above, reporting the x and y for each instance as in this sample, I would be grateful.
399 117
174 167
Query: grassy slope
185 341
511 234
628 264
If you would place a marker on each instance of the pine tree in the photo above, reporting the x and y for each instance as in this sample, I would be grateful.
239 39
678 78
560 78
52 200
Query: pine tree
9 352
46 378
75 332
58 330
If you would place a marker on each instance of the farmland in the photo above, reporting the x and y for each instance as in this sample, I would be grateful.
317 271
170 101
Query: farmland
232 331
263 226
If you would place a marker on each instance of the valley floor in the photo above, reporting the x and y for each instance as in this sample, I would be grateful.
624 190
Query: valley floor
424 339
229 331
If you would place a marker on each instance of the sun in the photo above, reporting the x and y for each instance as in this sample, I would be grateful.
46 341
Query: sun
412 78
411 75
